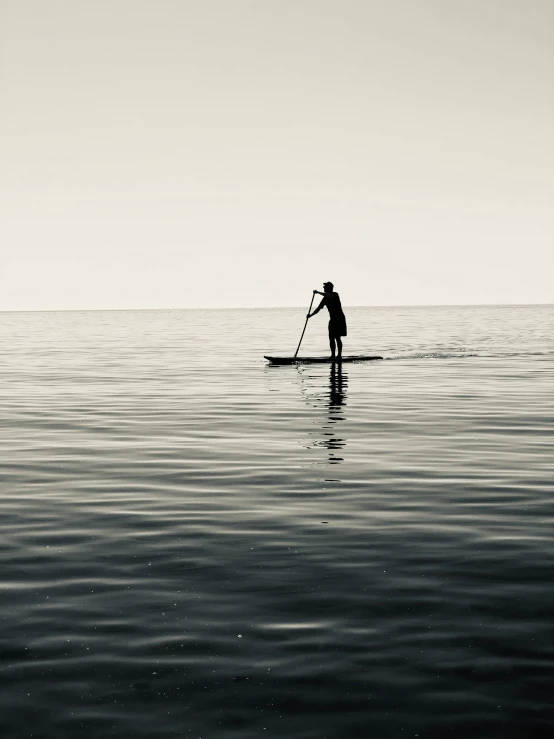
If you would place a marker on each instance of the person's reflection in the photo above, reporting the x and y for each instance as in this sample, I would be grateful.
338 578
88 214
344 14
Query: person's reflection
338 382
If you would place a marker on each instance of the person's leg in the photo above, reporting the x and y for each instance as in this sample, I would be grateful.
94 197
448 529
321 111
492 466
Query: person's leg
331 339
339 346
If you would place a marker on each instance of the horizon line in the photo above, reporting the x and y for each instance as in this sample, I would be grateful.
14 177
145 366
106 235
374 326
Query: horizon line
272 307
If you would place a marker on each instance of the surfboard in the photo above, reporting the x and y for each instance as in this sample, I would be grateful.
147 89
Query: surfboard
319 360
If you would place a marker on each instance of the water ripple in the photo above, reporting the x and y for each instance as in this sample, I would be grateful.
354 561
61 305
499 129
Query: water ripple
196 544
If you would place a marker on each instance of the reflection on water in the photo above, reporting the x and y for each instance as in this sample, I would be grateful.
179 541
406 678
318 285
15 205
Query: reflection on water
338 382
333 401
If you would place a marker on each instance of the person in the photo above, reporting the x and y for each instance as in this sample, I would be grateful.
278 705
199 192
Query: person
337 320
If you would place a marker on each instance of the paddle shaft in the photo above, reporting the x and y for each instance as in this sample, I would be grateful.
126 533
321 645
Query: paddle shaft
309 311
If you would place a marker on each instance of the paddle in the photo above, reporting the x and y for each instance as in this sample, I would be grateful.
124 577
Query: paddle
309 311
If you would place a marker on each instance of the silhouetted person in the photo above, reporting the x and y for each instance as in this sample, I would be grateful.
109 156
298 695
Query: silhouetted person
337 321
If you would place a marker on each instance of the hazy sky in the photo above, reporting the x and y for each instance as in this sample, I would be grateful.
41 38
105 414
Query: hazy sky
179 153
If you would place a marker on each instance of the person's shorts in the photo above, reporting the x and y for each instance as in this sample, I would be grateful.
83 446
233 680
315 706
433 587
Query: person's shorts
337 328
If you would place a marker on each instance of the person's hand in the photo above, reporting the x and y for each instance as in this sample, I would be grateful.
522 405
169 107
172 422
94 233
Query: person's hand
308 316
315 292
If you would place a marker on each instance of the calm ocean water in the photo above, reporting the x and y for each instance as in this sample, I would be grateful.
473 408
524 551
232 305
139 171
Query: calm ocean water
195 544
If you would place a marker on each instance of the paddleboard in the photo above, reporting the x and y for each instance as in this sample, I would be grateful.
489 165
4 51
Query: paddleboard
318 360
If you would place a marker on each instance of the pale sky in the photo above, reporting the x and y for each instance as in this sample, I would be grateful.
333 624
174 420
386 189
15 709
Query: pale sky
237 153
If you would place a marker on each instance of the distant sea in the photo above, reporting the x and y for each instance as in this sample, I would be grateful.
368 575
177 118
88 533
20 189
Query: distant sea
196 544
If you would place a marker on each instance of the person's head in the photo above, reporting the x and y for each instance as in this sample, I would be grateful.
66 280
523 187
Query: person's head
328 287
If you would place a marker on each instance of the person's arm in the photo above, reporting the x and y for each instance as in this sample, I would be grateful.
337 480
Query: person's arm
319 307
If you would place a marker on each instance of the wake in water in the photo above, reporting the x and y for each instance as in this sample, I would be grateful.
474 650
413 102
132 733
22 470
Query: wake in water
468 355
434 355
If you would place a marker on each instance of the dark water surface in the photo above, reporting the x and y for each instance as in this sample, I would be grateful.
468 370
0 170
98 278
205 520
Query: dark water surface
195 544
